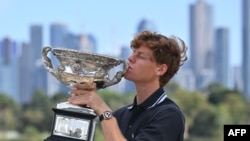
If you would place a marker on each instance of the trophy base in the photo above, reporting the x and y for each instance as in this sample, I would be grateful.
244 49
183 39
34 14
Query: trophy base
52 138
72 122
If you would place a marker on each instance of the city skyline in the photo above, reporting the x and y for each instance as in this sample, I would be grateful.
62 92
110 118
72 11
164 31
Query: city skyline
114 23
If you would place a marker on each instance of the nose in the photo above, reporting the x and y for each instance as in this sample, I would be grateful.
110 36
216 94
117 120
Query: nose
131 58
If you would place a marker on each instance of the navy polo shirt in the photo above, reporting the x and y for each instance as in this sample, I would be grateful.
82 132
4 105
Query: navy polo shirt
156 119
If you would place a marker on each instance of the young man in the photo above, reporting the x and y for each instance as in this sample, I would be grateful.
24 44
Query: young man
152 116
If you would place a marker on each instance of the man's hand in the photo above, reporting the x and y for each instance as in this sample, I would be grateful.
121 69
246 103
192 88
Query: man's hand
85 94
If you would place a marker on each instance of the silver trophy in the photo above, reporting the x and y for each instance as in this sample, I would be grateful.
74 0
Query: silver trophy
70 67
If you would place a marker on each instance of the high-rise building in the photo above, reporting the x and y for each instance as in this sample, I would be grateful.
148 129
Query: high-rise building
9 69
26 71
201 43
237 78
92 43
33 75
246 47
39 73
146 24
221 56
87 43
72 41
58 35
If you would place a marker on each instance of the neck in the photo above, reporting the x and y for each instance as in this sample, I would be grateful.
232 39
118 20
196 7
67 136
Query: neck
143 91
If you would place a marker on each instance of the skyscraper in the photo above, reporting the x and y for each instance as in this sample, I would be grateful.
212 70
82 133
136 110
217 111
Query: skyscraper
87 43
33 75
221 56
246 47
58 35
146 24
201 43
26 71
39 73
9 69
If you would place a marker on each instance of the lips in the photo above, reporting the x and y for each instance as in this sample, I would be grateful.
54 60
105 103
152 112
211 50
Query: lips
129 67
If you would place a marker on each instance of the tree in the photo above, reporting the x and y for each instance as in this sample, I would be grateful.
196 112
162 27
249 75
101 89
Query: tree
236 108
217 92
59 97
38 112
8 111
193 104
206 123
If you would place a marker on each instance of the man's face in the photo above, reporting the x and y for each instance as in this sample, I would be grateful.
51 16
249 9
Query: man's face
142 66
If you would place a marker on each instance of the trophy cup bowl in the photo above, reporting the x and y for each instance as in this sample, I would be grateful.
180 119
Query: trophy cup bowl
82 67
72 121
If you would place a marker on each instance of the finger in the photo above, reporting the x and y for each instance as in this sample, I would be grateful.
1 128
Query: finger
76 100
85 86
79 100
77 92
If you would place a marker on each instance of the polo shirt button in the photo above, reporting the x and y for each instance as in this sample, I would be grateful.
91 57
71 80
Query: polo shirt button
130 126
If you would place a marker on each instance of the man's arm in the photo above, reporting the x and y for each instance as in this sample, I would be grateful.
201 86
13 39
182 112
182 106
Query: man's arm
85 94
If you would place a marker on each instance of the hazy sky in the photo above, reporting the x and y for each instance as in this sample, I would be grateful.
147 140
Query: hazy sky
114 22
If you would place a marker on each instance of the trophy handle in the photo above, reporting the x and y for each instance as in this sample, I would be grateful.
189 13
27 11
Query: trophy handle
118 76
47 60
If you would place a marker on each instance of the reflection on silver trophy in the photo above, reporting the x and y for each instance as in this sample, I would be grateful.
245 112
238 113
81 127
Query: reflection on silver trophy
71 127
71 67
82 67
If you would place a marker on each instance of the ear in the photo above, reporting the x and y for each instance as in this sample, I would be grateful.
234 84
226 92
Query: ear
161 69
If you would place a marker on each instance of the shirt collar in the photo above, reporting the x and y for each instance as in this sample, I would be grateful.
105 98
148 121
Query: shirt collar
157 97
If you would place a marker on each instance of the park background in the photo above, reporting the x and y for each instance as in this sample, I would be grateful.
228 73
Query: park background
107 27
